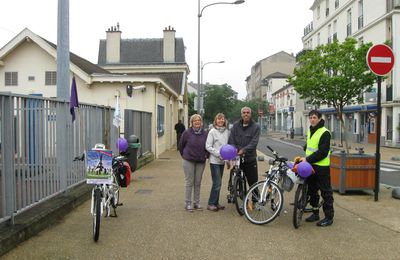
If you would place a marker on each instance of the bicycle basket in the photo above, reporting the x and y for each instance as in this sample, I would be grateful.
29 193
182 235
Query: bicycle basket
288 180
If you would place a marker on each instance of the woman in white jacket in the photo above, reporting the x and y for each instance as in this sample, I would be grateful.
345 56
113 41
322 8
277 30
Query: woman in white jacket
217 137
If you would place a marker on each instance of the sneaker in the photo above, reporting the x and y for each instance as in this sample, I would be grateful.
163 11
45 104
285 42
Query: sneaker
314 217
189 208
212 208
198 207
220 207
325 222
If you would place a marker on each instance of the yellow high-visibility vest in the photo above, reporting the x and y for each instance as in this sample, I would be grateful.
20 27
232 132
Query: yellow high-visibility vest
312 145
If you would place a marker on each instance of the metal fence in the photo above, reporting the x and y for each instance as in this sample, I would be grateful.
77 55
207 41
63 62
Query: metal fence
32 167
138 123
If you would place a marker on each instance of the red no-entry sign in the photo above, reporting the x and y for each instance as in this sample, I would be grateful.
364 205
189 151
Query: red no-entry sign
380 59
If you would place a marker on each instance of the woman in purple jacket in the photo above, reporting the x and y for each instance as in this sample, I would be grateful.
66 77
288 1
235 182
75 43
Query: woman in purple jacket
194 156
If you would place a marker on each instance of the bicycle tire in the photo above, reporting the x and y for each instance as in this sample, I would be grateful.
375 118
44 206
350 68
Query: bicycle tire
300 201
239 191
96 214
263 211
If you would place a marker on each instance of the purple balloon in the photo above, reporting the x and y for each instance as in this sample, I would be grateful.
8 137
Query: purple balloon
304 169
122 144
228 152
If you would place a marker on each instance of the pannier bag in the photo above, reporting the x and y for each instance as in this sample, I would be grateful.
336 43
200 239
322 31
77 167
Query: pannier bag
124 174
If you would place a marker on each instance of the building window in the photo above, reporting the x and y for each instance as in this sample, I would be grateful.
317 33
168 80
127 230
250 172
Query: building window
318 12
51 78
31 78
336 4
360 14
11 78
348 27
160 120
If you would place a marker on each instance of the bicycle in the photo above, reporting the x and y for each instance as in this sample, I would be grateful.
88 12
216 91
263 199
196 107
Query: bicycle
264 200
237 185
300 201
105 193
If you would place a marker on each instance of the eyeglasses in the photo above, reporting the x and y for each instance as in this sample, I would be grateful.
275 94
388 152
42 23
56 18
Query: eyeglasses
246 112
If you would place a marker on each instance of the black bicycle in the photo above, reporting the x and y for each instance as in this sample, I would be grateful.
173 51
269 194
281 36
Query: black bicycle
237 185
300 201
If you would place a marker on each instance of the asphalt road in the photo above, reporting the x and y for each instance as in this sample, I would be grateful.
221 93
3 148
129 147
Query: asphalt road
389 172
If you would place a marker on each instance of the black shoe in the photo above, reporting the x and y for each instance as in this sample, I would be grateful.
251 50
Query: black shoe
325 222
314 217
308 210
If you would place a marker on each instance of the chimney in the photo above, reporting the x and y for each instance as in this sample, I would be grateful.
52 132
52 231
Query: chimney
113 44
169 44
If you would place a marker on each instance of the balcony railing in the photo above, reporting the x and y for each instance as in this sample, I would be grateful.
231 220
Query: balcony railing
348 27
309 28
360 22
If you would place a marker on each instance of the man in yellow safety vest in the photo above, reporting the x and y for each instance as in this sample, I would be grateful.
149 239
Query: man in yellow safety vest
317 154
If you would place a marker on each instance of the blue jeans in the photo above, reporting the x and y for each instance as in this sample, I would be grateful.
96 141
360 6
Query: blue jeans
217 171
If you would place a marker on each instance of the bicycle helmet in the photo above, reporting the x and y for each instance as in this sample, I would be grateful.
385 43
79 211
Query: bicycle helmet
228 152
304 169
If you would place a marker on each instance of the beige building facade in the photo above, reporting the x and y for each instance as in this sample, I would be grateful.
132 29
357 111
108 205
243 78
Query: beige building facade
28 65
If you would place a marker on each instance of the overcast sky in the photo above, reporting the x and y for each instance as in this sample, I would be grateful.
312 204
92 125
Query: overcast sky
240 35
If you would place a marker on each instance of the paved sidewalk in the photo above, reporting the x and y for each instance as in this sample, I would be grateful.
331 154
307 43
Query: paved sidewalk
152 224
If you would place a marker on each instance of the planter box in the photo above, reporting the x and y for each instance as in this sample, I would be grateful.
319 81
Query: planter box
352 172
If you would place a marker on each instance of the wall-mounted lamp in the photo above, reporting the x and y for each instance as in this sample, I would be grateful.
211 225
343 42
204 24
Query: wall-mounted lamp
130 89
161 90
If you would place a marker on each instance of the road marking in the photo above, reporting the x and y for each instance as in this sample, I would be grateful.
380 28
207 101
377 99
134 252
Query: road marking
381 59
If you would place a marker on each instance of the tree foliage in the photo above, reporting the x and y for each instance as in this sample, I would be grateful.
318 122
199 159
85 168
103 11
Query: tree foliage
336 75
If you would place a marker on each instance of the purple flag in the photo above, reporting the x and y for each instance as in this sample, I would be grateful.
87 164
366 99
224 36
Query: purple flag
73 99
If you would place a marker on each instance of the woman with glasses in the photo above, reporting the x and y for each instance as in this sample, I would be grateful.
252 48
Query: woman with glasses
194 155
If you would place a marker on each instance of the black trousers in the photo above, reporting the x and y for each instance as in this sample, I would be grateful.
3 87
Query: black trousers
321 181
250 171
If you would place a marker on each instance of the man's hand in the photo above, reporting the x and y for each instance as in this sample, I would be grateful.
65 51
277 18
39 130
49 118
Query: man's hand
240 152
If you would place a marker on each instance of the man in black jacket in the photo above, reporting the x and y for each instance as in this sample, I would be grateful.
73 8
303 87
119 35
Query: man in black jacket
317 154
244 135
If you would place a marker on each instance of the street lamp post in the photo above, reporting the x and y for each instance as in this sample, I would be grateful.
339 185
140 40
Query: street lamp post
201 87
199 15
202 67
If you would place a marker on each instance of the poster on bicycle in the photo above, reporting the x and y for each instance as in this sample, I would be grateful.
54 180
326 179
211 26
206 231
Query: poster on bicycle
99 166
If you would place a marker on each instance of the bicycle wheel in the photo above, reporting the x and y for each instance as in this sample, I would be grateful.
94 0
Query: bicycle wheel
96 213
300 202
239 189
263 202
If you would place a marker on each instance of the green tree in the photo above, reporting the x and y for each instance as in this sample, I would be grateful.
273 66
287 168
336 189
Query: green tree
336 75
191 109
218 99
